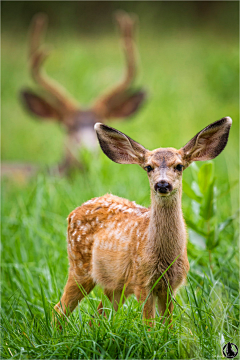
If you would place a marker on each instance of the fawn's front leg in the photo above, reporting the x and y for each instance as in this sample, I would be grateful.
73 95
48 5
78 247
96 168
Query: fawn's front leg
143 295
165 306
114 297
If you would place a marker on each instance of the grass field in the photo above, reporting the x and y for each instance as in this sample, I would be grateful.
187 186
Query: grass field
192 80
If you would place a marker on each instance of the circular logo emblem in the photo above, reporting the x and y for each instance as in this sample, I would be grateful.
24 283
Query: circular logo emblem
230 350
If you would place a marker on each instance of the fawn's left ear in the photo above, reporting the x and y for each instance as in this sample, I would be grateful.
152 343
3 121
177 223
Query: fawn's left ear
209 142
119 147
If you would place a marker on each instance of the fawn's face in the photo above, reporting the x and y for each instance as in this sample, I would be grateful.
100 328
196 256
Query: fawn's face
164 168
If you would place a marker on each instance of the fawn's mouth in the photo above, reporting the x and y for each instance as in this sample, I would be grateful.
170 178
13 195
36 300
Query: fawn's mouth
166 194
162 194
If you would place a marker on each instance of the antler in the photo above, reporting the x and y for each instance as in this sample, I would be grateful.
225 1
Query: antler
126 25
120 93
37 56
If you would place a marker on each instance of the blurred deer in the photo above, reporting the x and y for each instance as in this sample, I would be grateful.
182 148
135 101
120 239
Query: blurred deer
120 102
114 242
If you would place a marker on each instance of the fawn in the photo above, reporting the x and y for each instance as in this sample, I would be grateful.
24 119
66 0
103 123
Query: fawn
114 242
56 104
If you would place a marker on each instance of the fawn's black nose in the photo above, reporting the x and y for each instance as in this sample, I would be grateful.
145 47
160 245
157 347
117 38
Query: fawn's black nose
163 187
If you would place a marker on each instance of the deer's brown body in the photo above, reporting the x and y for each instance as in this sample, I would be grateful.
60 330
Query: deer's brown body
115 243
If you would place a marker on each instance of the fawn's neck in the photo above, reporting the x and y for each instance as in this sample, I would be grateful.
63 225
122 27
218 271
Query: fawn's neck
167 234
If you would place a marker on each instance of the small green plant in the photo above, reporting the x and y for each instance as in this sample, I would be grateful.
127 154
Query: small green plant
204 226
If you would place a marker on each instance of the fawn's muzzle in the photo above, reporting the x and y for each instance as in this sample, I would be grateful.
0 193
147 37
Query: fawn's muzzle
163 187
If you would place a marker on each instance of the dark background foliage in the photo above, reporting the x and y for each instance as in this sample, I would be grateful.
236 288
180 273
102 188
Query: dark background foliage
92 16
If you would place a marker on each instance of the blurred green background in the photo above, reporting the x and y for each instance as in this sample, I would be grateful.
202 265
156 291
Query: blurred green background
189 66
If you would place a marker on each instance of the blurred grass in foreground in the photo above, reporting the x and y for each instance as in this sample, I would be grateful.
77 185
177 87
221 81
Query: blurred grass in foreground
192 79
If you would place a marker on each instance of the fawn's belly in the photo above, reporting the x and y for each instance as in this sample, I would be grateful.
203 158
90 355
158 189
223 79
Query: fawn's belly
111 262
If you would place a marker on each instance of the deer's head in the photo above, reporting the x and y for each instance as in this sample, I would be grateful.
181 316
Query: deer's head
120 102
165 166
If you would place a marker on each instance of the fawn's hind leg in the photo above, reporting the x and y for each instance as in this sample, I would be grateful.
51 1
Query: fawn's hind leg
114 297
100 310
73 293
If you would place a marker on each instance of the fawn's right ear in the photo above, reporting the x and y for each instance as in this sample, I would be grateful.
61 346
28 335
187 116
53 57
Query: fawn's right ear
118 146
38 106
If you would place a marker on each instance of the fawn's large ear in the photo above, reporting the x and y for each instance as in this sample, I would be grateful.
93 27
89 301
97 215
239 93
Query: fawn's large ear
118 146
38 106
126 104
209 142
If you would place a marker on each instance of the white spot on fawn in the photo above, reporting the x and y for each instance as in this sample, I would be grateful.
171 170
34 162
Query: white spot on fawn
128 211
83 229
87 226
92 201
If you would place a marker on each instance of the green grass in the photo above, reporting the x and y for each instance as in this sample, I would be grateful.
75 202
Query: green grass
192 79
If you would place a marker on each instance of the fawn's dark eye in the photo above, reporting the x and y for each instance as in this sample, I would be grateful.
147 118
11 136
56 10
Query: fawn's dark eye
148 168
179 167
